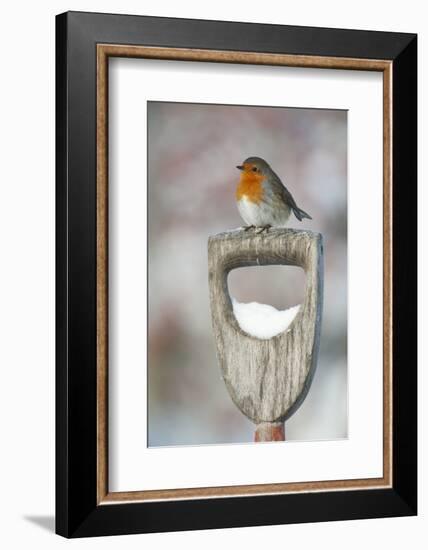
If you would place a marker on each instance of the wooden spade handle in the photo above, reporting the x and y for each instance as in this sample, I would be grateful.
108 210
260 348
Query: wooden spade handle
267 379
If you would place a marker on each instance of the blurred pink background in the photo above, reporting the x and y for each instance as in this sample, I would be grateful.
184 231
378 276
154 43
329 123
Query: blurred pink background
192 154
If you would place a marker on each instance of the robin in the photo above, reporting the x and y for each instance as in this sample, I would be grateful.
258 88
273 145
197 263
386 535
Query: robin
263 201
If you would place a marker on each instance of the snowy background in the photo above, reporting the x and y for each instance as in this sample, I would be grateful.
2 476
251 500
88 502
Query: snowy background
193 151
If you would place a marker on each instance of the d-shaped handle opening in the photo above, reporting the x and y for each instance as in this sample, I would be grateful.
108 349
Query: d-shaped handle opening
266 300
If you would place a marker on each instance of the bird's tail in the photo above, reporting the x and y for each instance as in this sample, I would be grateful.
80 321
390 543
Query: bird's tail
300 214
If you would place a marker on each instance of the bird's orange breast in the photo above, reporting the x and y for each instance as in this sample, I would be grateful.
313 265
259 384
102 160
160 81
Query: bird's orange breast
250 187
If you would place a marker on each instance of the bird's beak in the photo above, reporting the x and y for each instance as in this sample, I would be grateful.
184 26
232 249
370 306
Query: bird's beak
240 167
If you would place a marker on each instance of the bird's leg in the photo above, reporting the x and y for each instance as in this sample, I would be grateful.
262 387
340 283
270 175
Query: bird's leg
247 227
264 228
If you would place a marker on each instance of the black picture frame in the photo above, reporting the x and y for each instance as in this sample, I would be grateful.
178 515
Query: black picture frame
77 511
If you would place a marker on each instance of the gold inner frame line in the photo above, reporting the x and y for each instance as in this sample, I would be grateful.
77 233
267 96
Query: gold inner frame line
104 51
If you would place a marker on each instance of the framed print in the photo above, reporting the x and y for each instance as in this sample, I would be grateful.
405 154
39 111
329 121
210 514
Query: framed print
236 274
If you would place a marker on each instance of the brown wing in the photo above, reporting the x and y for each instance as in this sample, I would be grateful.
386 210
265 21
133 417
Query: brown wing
280 192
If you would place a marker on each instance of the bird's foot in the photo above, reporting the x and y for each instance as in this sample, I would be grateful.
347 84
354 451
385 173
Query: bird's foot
247 227
263 228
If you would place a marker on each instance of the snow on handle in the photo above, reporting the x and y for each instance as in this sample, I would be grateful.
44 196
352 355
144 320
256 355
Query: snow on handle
262 320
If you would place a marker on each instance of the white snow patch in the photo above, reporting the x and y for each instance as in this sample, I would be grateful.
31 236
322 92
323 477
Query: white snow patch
262 320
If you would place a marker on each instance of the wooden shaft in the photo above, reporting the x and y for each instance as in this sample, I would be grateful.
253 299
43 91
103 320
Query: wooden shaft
269 431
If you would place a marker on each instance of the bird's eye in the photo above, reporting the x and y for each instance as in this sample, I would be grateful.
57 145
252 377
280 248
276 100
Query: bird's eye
254 169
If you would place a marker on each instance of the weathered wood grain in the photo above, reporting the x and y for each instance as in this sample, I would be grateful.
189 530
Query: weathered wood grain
267 379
